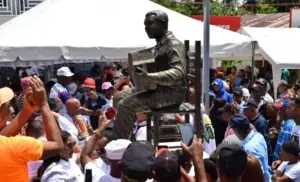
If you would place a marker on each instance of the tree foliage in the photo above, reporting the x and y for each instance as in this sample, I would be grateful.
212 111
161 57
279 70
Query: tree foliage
196 9
228 8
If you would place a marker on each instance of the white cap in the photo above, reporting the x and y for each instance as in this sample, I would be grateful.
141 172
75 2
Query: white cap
116 148
64 71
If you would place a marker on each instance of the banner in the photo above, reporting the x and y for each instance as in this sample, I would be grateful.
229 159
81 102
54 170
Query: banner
232 23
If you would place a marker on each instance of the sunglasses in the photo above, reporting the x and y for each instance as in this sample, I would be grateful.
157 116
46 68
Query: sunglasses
70 145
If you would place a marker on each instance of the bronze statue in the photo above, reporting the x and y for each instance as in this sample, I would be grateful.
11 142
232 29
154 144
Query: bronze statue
170 78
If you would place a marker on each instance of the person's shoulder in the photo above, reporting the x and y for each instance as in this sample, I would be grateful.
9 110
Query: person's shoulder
54 172
261 118
207 119
173 41
290 123
18 138
257 136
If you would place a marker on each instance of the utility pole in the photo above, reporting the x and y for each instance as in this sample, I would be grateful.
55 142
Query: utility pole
206 60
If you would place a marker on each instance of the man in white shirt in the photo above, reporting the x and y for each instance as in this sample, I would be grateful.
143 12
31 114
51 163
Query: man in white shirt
244 86
63 122
237 97
289 170
64 75
108 91
74 117
140 130
114 152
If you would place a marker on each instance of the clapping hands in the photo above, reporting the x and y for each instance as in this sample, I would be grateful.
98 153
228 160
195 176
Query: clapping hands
36 96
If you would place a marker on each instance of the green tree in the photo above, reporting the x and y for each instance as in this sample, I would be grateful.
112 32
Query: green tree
188 9
227 8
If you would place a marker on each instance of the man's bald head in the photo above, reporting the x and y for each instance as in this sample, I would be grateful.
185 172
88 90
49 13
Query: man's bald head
73 106
72 101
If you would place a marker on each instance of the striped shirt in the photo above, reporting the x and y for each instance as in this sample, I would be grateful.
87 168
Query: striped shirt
284 135
19 103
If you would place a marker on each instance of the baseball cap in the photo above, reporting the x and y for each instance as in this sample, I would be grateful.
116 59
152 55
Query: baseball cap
106 85
64 71
232 160
238 91
250 104
116 148
6 94
167 167
138 161
89 82
239 121
262 82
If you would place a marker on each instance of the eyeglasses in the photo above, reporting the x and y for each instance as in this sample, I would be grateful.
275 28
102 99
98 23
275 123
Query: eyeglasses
70 145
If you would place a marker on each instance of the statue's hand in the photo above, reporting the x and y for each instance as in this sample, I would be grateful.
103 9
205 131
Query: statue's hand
140 72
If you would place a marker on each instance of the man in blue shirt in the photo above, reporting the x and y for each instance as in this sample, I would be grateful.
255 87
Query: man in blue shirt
253 142
287 126
259 122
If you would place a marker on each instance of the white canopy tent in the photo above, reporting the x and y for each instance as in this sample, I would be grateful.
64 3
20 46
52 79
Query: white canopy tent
280 46
76 30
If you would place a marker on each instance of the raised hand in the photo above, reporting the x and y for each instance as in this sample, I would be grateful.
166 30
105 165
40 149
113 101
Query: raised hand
103 121
196 149
39 96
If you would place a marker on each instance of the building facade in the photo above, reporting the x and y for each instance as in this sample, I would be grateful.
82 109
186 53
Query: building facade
12 8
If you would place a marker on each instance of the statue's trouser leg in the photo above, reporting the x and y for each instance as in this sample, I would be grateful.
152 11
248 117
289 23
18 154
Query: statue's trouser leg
140 102
121 95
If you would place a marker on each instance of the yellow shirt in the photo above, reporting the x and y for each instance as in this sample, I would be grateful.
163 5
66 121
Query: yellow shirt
15 152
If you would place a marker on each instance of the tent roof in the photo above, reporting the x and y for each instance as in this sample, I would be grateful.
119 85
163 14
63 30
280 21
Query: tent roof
101 29
280 46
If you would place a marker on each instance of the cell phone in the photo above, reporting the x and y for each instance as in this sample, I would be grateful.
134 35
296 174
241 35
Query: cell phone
88 175
86 89
186 131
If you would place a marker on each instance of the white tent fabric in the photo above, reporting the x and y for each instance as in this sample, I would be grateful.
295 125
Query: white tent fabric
100 29
280 46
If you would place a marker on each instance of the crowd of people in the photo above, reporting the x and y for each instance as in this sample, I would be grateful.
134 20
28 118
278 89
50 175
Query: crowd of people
53 132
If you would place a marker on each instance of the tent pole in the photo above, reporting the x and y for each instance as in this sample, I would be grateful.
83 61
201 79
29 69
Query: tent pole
252 60
206 46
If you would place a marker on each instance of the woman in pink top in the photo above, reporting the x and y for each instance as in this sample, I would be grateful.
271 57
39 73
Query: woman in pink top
227 112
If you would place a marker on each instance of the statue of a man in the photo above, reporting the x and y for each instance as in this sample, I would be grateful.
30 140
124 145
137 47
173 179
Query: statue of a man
170 78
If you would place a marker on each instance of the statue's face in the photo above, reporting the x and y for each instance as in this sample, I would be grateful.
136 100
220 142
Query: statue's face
152 27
